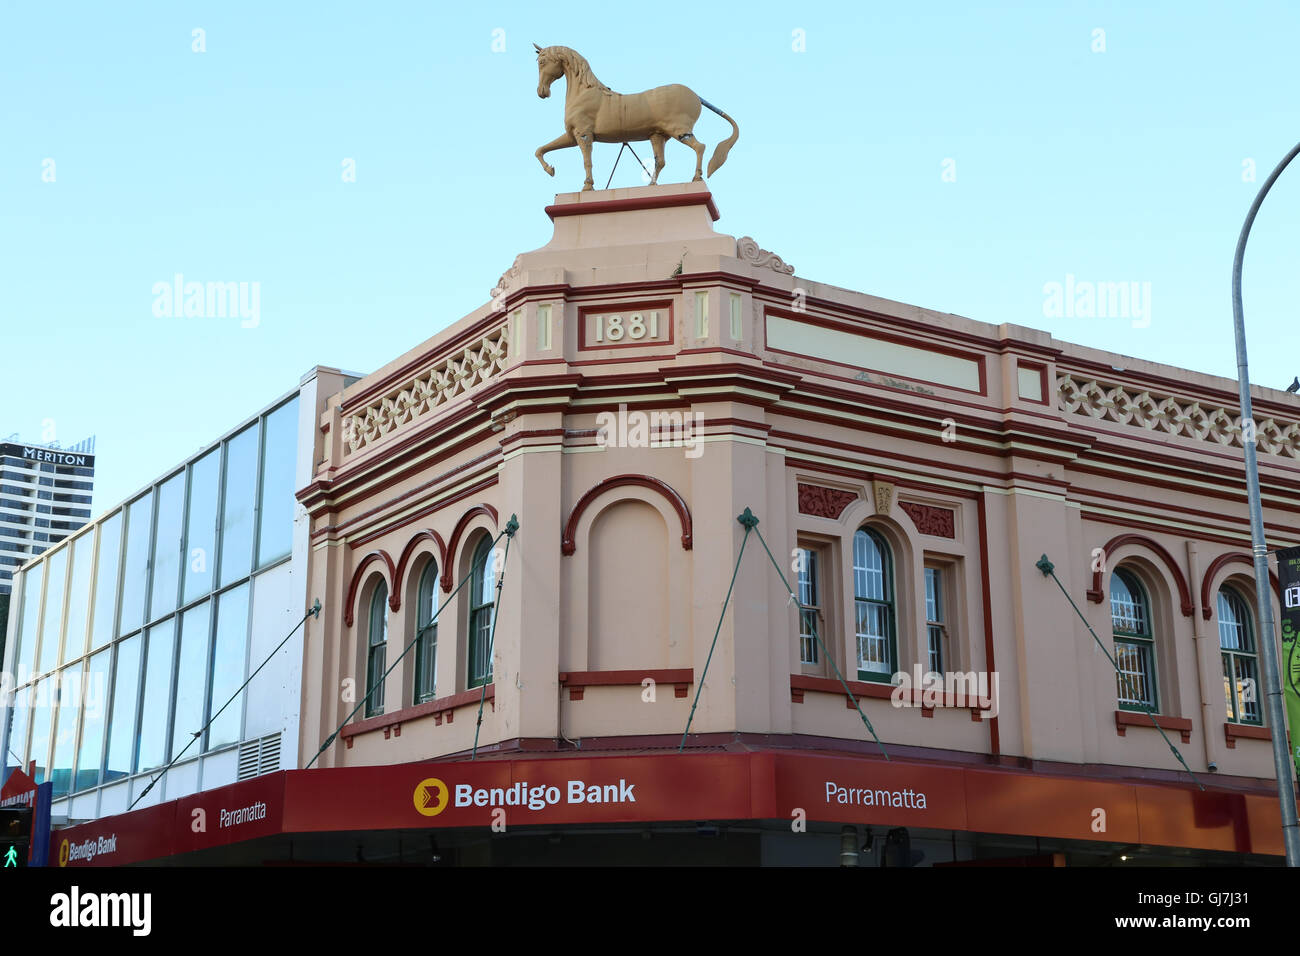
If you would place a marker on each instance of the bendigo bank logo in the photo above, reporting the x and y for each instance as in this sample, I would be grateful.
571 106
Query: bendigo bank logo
430 797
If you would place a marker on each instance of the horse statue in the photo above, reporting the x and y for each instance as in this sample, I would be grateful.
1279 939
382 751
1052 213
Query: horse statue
595 113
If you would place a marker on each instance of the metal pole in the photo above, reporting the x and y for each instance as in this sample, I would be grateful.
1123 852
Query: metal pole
1268 641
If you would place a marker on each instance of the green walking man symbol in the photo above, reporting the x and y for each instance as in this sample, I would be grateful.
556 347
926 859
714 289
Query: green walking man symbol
11 858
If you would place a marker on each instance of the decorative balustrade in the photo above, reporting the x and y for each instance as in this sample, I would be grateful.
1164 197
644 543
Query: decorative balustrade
454 375
1156 412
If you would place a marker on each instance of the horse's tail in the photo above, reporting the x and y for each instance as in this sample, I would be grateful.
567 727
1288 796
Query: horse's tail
720 154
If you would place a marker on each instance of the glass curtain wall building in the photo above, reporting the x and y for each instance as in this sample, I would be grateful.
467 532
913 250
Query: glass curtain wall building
131 637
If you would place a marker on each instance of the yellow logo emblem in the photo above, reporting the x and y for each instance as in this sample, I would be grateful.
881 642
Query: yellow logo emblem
430 797
63 853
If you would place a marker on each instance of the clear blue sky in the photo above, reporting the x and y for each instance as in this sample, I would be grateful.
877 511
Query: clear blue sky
1122 166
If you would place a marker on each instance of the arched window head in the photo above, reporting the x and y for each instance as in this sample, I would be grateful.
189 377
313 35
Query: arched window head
481 612
426 634
376 653
873 592
1240 661
1130 617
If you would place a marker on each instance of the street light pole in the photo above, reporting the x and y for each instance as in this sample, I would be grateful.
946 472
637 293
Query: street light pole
1268 641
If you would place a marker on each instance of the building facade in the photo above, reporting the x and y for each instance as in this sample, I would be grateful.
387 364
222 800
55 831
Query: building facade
45 494
635 394
131 635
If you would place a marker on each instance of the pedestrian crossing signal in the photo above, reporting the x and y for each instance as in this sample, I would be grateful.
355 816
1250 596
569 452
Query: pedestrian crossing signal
15 836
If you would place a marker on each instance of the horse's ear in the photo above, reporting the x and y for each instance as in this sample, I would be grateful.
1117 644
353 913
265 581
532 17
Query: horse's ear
537 48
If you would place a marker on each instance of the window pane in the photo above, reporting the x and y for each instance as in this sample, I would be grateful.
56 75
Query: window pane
18 723
375 657
279 464
139 517
1134 678
121 728
167 546
57 567
868 567
93 721
426 648
237 520
65 728
191 678
873 637
157 695
1127 608
110 549
933 595
228 666
1247 689
201 525
808 601
26 653
42 703
74 640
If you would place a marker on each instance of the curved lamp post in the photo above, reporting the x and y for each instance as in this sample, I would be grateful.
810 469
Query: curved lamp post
1276 709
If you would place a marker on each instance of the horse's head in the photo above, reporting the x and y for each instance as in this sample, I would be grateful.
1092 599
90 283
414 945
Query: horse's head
549 69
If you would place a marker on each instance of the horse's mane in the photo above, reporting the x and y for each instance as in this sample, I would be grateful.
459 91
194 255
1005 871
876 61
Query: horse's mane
579 69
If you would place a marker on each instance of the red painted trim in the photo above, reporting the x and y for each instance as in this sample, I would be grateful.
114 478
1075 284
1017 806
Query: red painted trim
358 574
660 305
802 683
567 545
1096 595
1127 718
425 535
438 708
1207 611
1234 732
630 205
1042 378
387 526
678 675
483 509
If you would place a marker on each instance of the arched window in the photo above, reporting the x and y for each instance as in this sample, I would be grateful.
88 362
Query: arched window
376 653
426 634
1237 644
1130 618
873 591
480 616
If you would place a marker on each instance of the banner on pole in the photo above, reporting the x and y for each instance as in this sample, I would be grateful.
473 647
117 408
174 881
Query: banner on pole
1288 577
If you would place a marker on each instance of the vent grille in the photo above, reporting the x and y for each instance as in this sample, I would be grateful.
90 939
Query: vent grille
259 756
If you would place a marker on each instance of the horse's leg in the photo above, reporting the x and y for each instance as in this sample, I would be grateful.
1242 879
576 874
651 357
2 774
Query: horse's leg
657 141
690 140
584 138
560 142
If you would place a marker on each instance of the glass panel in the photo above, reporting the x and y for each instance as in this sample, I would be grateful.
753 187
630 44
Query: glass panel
933 600
426 648
1127 607
126 692
237 520
18 724
167 547
873 637
1227 687
1234 629
375 663
1247 689
191 678
110 553
156 704
42 704
57 566
1134 678
26 653
139 516
279 466
93 721
201 525
868 567
228 666
807 583
65 734
480 625
74 640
